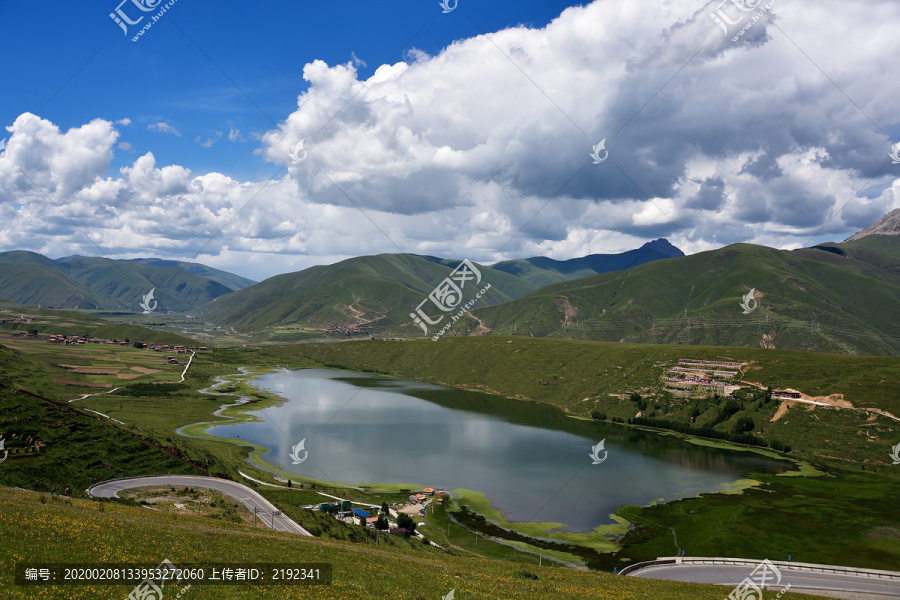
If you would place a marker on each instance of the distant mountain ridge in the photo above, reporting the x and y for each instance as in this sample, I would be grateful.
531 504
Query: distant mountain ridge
93 283
831 298
542 271
889 224
377 292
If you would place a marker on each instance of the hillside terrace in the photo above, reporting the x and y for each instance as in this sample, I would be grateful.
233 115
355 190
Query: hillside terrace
709 363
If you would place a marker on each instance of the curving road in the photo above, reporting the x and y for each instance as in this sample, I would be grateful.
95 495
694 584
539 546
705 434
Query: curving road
835 585
238 491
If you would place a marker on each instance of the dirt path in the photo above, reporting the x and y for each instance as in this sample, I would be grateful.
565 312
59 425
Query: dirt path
782 410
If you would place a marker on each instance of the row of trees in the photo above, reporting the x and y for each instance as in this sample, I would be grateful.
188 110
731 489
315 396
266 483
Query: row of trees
738 435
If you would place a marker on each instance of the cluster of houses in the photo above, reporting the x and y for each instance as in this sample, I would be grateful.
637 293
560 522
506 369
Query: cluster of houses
337 329
422 496
59 338
344 510
22 319
691 372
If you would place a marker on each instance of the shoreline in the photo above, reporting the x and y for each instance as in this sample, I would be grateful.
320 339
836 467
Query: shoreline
602 538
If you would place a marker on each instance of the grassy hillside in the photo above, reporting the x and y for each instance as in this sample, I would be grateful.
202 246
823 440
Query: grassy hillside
378 292
27 280
579 377
98 283
229 280
48 529
810 299
54 446
126 282
73 323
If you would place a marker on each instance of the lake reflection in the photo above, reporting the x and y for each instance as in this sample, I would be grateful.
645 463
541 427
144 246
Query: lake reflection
530 460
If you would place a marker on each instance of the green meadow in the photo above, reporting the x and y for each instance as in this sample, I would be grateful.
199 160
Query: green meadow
839 498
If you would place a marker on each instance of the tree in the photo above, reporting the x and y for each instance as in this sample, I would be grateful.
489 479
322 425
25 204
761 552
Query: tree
289 483
406 522
384 508
695 412
362 520
382 523
32 332
744 425
731 407
634 397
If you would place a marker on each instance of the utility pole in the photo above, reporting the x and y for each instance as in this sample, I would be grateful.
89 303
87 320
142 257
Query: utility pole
254 516
274 512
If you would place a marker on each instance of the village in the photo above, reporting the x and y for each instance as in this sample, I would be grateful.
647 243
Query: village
68 340
691 372
398 519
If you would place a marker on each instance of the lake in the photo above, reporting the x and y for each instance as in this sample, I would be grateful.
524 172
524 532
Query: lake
529 459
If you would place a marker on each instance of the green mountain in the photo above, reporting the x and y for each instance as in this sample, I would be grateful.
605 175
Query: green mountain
99 283
229 280
29 278
373 291
834 298
542 271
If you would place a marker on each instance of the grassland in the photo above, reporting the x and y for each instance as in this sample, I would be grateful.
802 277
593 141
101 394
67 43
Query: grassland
38 528
580 378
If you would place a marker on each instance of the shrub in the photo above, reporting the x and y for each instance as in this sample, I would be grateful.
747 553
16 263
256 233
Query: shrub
744 425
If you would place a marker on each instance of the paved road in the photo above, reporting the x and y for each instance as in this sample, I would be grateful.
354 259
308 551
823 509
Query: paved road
238 491
834 585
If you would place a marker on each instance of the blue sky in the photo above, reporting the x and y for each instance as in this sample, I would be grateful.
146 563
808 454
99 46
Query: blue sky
237 66
463 135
